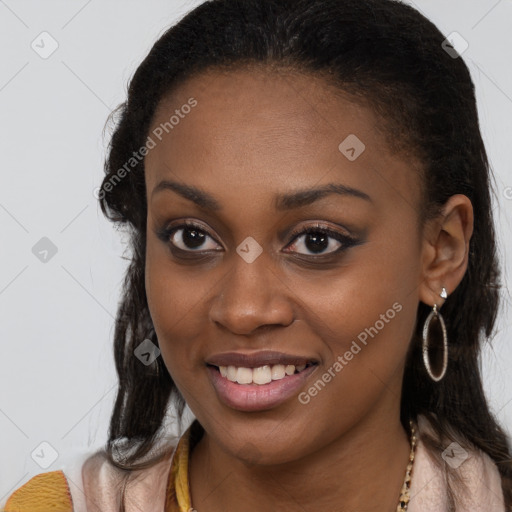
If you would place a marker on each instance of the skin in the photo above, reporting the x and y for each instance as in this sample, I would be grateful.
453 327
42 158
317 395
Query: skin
254 134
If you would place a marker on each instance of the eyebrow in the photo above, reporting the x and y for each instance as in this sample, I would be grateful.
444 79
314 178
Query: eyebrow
287 201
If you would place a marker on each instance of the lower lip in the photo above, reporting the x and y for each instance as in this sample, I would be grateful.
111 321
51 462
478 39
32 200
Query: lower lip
256 397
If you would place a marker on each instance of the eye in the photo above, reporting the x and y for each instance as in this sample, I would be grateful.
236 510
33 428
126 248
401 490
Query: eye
318 240
189 237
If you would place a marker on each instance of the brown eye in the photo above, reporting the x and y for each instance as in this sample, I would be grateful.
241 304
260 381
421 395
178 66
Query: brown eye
317 241
190 238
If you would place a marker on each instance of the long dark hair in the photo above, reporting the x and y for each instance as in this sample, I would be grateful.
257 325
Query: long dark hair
387 55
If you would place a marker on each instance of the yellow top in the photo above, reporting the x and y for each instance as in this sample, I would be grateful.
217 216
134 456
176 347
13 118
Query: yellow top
43 493
178 492
50 492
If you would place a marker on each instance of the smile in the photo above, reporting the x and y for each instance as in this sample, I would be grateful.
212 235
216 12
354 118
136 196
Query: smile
258 382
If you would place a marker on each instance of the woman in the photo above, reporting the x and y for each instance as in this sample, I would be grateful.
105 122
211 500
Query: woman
313 271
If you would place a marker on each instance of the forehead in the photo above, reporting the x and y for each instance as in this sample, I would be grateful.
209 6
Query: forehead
255 126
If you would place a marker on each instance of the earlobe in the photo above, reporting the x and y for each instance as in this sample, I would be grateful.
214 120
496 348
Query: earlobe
446 249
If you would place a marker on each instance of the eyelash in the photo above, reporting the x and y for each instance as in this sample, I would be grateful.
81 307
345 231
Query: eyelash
165 235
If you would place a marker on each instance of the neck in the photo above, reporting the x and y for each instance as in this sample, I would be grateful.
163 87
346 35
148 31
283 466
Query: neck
363 469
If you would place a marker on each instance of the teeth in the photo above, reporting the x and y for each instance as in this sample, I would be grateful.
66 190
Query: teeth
244 375
261 375
231 373
277 372
290 369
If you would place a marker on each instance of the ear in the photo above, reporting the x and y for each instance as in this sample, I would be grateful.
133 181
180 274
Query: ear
446 249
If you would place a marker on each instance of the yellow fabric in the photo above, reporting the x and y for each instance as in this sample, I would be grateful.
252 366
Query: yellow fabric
179 473
47 492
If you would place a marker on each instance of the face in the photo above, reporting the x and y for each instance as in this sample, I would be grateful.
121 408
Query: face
283 260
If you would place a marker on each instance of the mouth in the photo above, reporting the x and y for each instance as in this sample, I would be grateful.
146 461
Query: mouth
258 382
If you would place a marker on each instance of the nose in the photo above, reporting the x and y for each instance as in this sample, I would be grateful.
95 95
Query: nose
252 295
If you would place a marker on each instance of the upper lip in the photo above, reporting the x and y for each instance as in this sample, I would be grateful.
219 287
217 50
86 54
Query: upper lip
257 359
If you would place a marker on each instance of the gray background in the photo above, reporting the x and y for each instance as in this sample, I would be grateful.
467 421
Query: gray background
57 380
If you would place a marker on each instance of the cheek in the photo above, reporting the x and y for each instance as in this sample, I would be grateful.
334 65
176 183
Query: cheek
365 319
178 303
367 310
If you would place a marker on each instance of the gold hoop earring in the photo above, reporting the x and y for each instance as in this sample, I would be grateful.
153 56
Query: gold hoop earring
426 342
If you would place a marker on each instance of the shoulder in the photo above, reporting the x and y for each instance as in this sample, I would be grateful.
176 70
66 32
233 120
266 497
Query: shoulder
458 466
46 491
92 483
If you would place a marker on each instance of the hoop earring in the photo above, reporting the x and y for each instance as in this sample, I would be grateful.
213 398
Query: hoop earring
426 342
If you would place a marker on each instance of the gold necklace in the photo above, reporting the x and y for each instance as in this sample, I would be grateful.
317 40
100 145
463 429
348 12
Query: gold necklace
403 502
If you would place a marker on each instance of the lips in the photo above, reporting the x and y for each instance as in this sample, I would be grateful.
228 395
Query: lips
259 381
